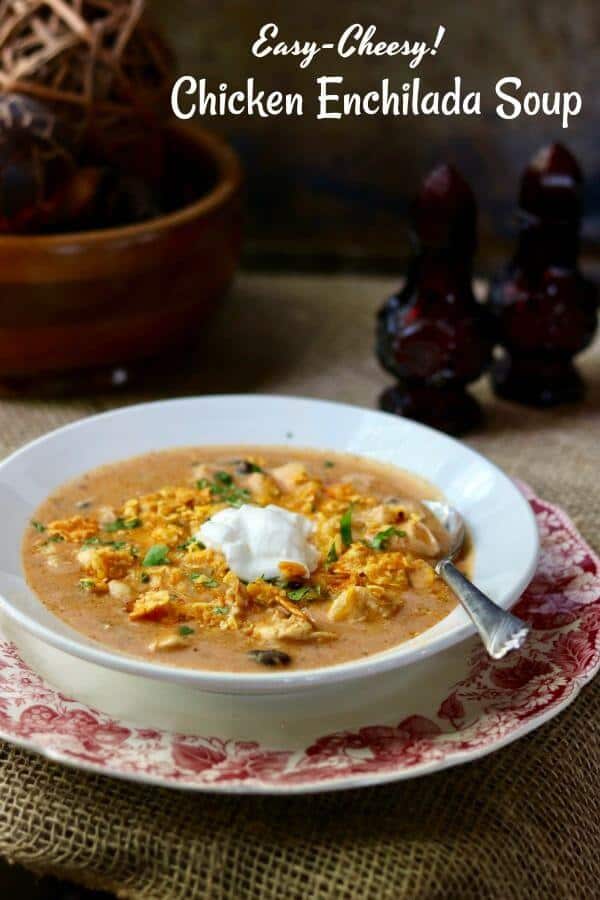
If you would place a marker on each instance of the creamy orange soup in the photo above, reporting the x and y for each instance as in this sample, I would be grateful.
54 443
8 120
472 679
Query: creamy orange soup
115 554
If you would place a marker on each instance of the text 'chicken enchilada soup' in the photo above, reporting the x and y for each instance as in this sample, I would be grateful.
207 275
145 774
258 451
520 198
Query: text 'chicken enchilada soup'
241 559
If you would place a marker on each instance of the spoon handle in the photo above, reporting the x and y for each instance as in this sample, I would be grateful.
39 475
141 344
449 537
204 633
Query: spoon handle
499 630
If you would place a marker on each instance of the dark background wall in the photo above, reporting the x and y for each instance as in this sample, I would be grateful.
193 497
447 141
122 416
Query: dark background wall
340 188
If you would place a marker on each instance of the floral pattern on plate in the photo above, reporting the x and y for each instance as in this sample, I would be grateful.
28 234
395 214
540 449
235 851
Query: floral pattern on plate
494 703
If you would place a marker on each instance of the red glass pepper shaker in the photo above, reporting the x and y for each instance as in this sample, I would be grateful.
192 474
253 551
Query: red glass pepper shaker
546 311
433 335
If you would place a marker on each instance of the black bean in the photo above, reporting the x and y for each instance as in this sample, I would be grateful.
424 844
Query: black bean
270 657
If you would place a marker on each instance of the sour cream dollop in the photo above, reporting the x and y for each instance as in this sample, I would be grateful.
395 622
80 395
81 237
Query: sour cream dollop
256 539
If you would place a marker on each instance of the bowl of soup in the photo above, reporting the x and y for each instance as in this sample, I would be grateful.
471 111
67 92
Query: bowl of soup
251 544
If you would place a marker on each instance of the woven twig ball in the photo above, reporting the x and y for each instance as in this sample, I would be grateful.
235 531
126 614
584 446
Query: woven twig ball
97 62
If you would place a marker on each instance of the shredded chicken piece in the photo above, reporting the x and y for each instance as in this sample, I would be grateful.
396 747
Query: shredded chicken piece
421 574
288 476
292 629
119 590
170 642
357 603
263 488
106 515
421 539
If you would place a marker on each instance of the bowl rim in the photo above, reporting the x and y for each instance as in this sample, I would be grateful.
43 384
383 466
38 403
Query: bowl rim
264 683
229 182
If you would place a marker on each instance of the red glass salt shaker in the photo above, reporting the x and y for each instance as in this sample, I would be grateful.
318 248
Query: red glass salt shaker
433 335
546 311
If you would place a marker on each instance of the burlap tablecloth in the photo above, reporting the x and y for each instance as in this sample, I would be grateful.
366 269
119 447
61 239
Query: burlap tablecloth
524 822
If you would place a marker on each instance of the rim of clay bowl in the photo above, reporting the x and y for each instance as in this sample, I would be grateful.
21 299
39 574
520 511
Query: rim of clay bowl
229 181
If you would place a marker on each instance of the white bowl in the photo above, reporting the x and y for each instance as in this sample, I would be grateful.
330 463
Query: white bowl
499 518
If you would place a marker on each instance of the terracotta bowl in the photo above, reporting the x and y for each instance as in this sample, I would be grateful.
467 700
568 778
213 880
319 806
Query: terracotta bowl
98 298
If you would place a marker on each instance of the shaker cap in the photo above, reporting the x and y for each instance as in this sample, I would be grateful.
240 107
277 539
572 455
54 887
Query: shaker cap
551 186
444 212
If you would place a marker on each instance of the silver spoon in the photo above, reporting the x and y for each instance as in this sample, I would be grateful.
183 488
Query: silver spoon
499 630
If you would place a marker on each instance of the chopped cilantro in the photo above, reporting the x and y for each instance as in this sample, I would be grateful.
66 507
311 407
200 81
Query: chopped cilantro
329 464
144 578
191 542
306 592
157 555
231 494
346 527
221 610
55 539
237 497
223 488
332 554
185 630
86 584
205 580
122 525
381 539
38 525
116 545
